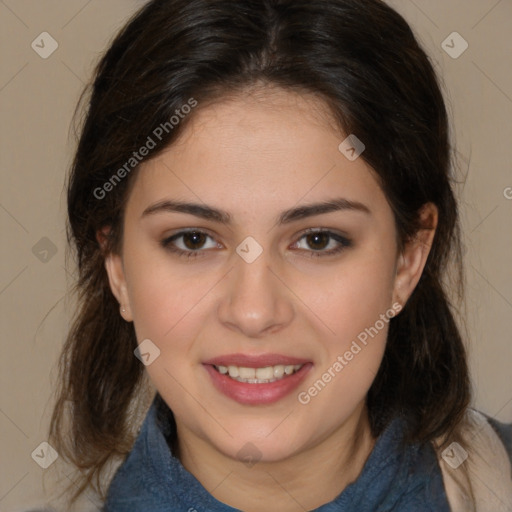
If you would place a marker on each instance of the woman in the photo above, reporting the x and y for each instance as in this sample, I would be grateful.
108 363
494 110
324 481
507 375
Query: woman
263 217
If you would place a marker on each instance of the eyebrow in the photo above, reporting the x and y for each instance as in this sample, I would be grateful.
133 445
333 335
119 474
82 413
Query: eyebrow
286 217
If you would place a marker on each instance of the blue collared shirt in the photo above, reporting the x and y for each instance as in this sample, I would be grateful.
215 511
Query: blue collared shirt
394 478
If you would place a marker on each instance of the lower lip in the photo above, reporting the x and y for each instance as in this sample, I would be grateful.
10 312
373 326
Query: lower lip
257 394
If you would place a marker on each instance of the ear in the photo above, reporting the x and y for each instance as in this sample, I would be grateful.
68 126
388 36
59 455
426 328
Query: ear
117 281
116 275
413 257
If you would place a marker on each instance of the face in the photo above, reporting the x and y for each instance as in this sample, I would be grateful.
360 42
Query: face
284 275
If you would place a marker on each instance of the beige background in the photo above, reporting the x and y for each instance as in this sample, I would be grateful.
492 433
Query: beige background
37 98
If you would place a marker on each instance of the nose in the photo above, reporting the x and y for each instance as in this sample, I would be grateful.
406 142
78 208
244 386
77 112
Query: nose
255 300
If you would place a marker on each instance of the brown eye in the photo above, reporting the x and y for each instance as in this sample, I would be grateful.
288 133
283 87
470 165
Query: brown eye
189 244
194 240
317 241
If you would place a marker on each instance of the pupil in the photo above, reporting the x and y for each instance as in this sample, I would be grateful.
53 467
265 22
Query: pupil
316 237
196 237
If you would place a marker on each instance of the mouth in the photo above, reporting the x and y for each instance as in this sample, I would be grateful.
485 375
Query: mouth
256 380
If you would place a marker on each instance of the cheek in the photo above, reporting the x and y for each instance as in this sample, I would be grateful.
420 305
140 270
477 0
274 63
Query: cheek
352 298
166 307
355 304
164 300
359 310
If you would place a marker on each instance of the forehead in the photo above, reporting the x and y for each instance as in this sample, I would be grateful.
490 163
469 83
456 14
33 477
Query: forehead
260 123
264 148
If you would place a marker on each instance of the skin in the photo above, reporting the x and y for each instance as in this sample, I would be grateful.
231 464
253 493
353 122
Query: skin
255 156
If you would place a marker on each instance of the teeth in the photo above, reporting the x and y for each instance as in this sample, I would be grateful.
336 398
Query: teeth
278 371
258 375
266 373
246 373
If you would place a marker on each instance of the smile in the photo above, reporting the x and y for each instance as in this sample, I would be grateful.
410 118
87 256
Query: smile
256 380
263 375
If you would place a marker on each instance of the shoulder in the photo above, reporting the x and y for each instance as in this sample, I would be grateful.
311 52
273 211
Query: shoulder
504 432
492 438
477 466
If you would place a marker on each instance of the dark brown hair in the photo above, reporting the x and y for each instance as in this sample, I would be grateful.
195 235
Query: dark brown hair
361 58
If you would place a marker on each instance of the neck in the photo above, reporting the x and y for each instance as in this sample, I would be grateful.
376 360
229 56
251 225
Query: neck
305 480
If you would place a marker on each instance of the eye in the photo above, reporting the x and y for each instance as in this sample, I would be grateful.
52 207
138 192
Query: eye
188 243
319 242
323 243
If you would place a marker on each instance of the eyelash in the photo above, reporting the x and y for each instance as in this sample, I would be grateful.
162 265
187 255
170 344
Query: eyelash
343 241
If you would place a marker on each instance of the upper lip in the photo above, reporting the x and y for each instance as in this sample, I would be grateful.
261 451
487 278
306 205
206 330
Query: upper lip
255 361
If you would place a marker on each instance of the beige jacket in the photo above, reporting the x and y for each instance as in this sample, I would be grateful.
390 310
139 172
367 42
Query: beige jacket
479 479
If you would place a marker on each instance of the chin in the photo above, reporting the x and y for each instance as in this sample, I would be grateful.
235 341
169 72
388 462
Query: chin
258 445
